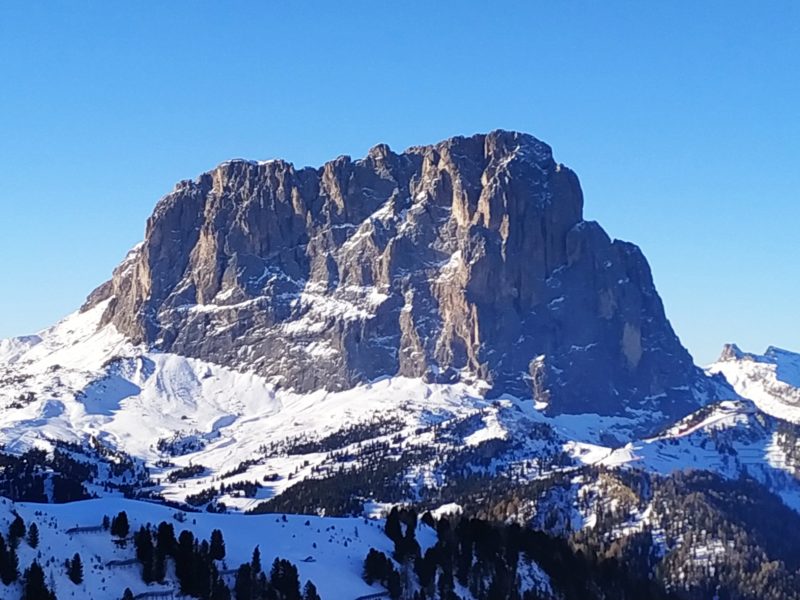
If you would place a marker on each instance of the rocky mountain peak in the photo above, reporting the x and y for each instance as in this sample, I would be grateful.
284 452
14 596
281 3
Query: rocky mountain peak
780 353
465 259
731 352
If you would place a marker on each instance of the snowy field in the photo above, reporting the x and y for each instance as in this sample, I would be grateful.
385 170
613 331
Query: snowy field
328 551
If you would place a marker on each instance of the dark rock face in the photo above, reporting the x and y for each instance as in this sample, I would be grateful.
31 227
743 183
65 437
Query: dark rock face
466 259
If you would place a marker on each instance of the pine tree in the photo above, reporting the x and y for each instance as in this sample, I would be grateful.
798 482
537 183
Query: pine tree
255 562
9 565
4 559
13 563
284 578
217 550
394 585
310 592
392 528
219 591
425 567
143 542
127 594
76 569
410 518
184 560
33 535
34 587
16 531
244 583
159 566
165 546
203 572
376 566
165 538
120 526
446 585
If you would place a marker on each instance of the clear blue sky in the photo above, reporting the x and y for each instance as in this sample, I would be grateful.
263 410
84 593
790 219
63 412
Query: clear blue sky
681 118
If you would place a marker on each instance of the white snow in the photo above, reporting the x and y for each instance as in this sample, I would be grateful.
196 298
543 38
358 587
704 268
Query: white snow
91 382
771 380
77 380
447 509
328 551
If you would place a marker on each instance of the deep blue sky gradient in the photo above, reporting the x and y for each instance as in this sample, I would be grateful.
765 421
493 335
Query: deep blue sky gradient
681 119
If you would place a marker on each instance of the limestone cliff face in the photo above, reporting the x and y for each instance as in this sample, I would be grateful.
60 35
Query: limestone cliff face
465 259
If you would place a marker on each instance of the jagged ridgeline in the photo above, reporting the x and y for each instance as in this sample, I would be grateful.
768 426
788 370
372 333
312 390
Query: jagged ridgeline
466 259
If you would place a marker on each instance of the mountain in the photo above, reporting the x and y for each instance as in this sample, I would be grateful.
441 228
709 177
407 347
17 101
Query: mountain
438 328
771 380
467 260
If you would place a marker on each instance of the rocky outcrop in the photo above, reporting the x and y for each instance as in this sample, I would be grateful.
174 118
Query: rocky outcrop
465 259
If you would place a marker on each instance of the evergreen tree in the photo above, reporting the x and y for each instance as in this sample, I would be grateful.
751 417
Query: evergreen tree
393 529
165 538
165 546
376 567
184 560
262 588
5 559
13 564
76 569
446 585
159 571
143 543
159 566
255 562
34 587
285 579
244 583
120 526
3 553
425 567
16 531
203 572
217 549
220 591
463 558
310 592
127 594
443 531
394 584
33 535
410 518
9 563
405 546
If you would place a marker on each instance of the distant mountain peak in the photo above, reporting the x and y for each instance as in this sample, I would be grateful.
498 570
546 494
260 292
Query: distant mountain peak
772 354
731 352
771 380
781 353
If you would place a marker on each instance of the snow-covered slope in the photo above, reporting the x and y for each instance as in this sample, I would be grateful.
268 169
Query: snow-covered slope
732 439
328 551
771 380
79 381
